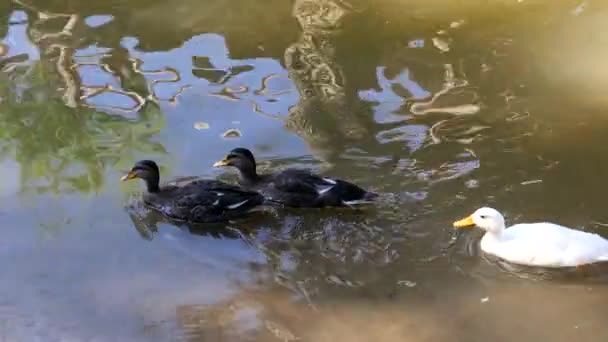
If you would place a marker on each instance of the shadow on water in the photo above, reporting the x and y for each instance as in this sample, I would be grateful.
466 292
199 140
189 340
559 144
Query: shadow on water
439 108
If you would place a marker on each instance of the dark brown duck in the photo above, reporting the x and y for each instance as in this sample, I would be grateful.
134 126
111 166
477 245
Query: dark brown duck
295 187
201 201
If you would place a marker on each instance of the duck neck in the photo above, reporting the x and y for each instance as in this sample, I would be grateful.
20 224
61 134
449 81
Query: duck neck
495 233
152 184
248 174
491 241
493 236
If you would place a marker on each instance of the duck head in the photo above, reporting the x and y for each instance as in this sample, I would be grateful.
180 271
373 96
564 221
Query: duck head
243 160
485 218
146 170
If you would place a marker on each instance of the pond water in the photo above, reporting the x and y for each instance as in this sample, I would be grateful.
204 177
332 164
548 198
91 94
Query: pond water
440 106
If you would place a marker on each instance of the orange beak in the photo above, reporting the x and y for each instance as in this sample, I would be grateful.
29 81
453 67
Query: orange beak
128 176
466 222
223 162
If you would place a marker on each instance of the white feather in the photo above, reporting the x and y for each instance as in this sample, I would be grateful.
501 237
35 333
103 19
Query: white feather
322 190
216 202
356 202
236 205
538 244
330 181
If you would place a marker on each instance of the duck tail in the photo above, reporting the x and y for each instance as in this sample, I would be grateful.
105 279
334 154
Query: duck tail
272 203
368 197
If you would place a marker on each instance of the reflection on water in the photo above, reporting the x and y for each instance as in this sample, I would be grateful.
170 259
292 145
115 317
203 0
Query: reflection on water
440 108
313 67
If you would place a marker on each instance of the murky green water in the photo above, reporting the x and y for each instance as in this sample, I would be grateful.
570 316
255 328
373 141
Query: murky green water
442 106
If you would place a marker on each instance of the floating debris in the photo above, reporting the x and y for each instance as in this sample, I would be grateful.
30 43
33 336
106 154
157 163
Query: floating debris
341 282
232 133
236 90
485 299
456 24
201 126
535 181
472 184
441 44
416 43
580 8
407 283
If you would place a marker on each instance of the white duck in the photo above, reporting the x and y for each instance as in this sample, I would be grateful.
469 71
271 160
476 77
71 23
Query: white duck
536 244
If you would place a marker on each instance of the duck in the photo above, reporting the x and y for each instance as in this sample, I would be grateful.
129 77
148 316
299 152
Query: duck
295 187
539 244
199 201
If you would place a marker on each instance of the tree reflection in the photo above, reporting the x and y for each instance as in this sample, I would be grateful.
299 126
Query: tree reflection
325 116
62 150
61 145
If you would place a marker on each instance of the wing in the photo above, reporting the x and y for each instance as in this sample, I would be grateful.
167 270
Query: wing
302 181
301 188
547 244
216 206
206 201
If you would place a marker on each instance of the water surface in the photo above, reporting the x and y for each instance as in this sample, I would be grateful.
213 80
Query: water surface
440 106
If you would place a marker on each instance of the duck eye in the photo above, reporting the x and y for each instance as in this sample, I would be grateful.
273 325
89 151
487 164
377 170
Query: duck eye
483 217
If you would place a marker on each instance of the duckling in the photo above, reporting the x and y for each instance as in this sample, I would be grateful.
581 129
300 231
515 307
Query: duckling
200 201
295 187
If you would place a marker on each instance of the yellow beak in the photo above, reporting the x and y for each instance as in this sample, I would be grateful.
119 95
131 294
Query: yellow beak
223 162
465 222
128 176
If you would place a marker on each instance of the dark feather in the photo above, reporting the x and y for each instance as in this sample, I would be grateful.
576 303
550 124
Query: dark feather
203 201
200 201
297 187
